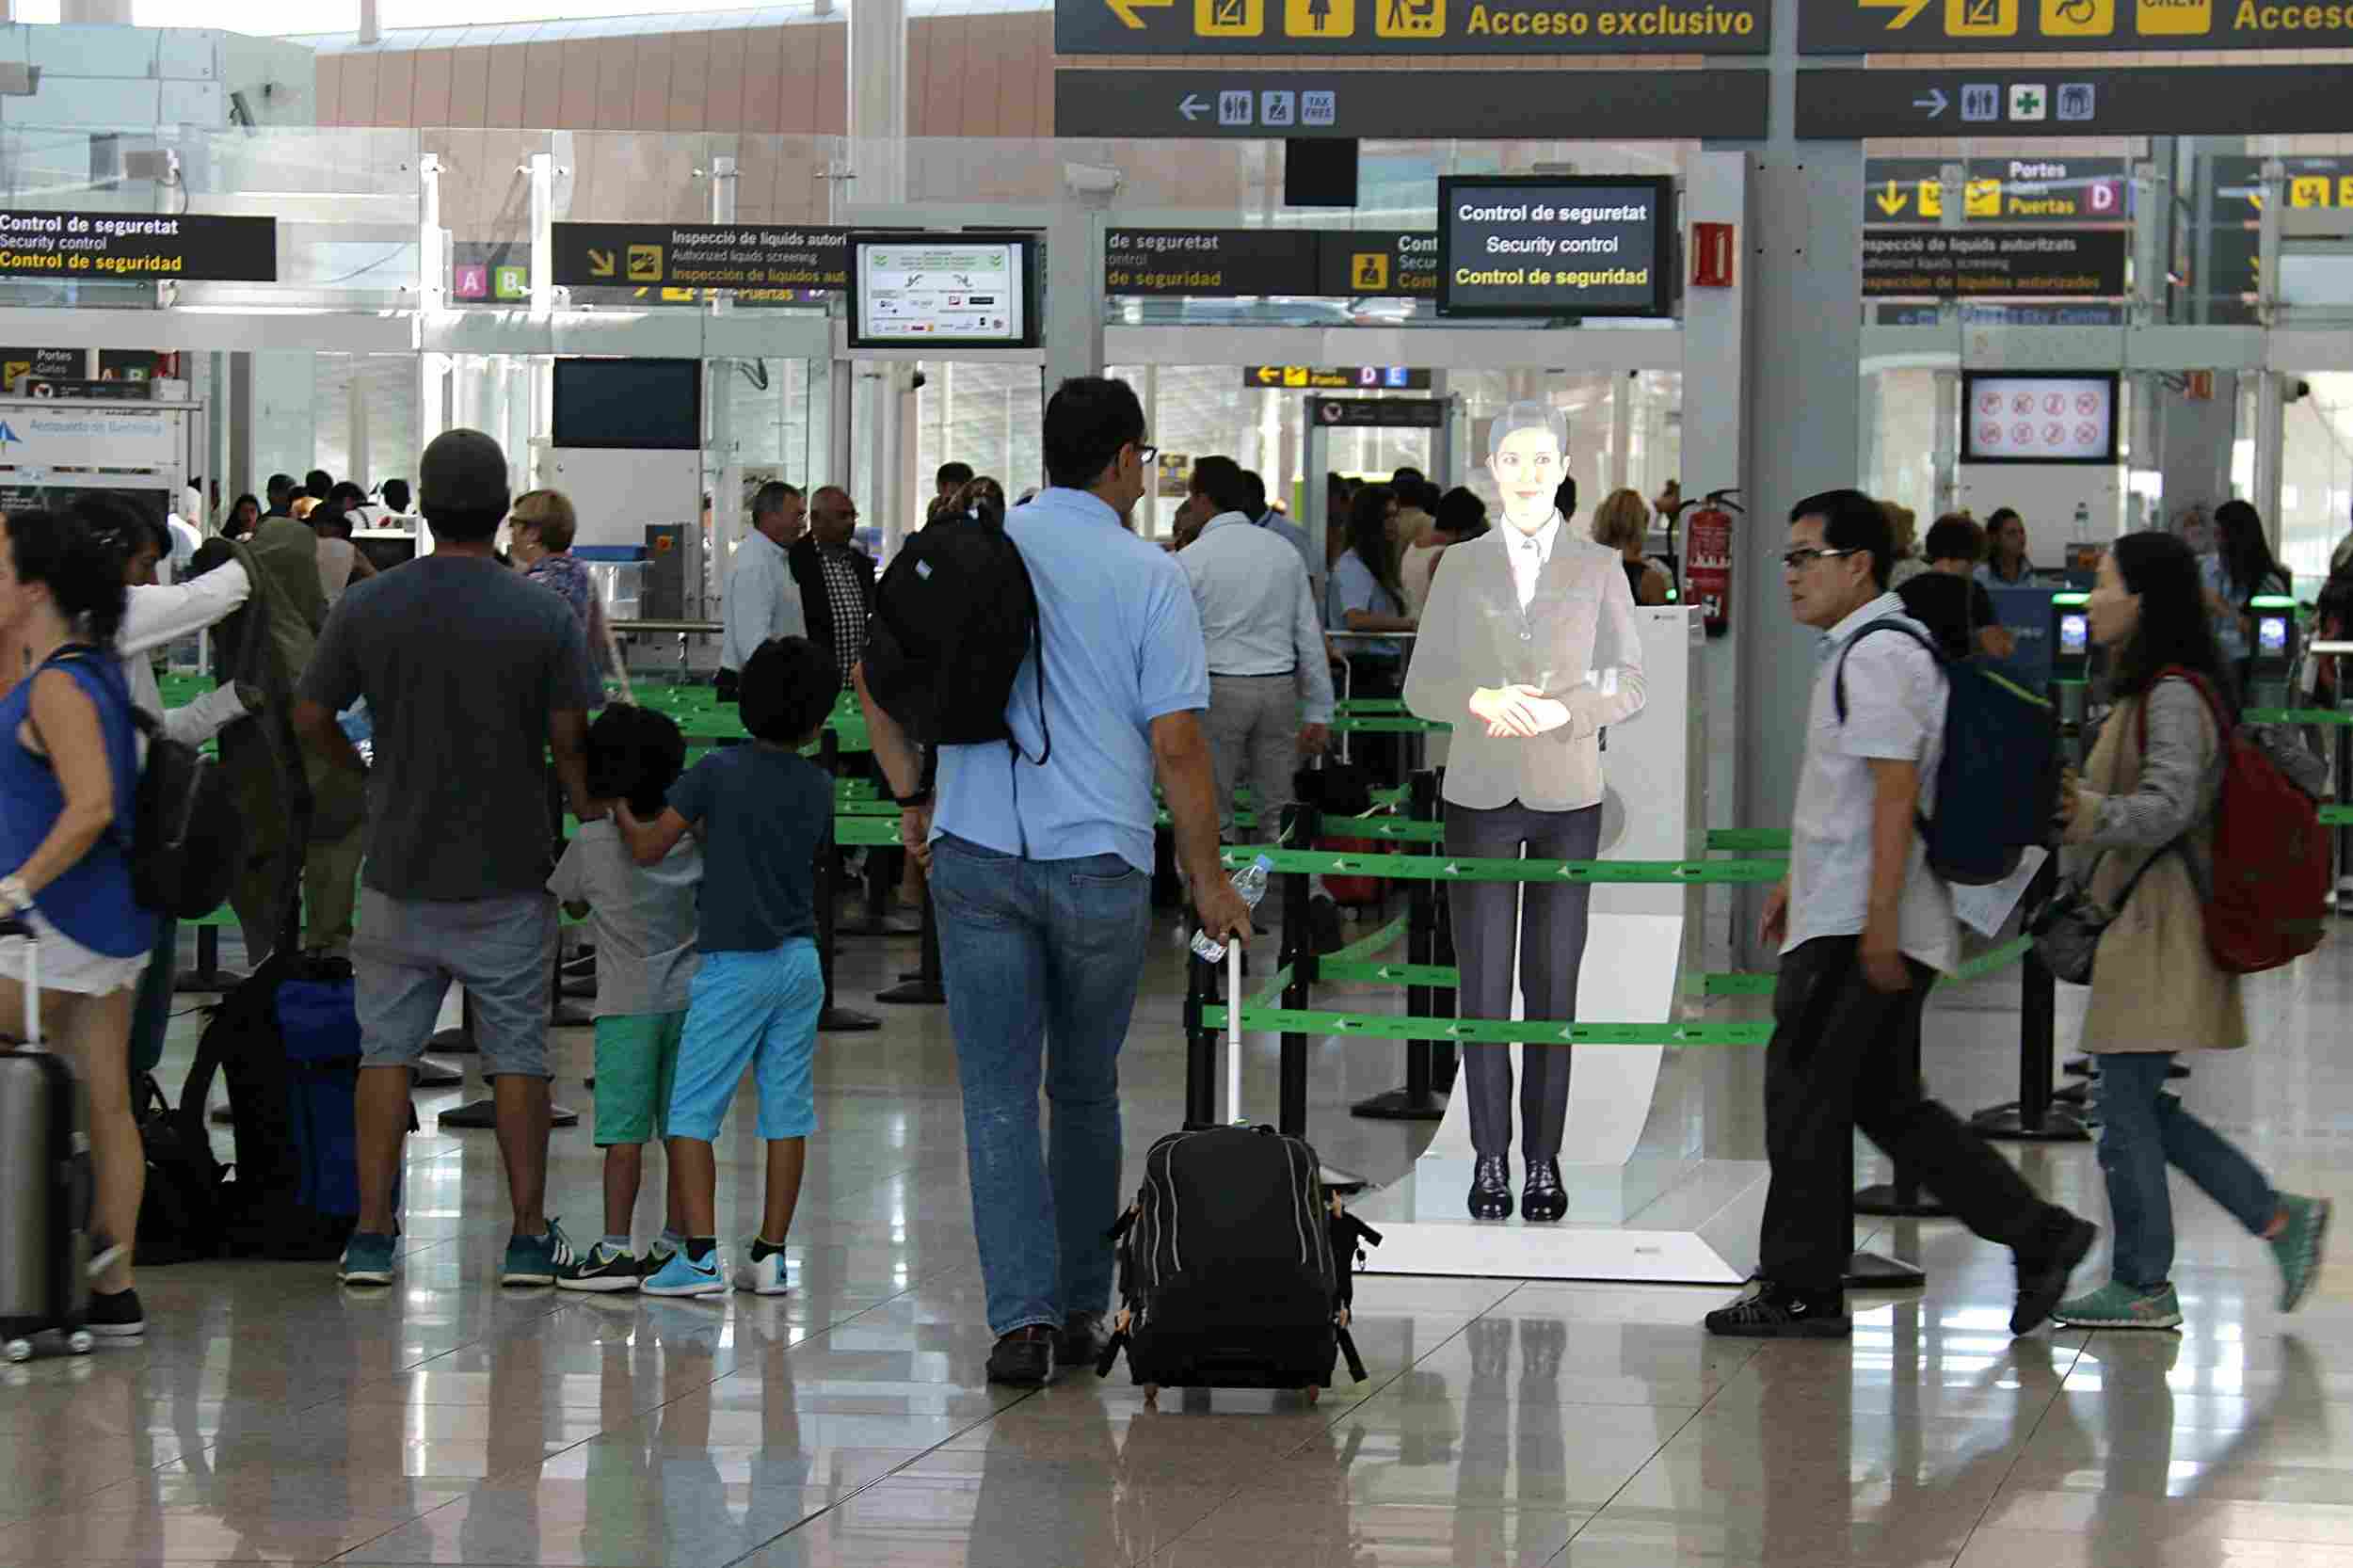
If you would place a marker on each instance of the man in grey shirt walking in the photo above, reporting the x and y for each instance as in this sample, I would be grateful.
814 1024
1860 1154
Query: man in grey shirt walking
1265 648
1864 927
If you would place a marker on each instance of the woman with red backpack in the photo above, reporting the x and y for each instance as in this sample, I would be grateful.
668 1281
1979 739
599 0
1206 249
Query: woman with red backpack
2145 810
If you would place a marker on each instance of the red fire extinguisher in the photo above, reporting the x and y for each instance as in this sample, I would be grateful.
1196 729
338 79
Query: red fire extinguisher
1708 559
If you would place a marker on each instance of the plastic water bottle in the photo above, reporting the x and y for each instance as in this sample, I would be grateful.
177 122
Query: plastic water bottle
1251 883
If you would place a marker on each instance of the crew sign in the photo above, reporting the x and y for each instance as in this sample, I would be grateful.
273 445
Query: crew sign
1410 26
2015 27
138 247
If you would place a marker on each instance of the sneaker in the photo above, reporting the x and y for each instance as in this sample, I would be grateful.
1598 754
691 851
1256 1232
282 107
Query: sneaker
2117 1305
367 1259
2297 1247
1024 1359
1775 1312
603 1270
658 1252
115 1315
684 1276
2042 1276
537 1259
1083 1339
762 1276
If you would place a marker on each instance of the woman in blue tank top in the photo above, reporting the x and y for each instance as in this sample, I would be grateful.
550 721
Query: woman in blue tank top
68 774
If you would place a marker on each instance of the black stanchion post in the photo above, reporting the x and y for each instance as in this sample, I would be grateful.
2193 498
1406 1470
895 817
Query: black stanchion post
922 989
1299 953
1200 1044
1420 1100
2034 1117
833 1020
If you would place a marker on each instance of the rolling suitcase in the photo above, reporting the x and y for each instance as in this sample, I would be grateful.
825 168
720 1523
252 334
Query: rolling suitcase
45 1185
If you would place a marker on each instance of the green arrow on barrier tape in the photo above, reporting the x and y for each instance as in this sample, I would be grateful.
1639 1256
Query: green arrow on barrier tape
1401 830
1500 1031
866 830
2296 715
1769 840
1399 724
1464 868
1361 706
2336 816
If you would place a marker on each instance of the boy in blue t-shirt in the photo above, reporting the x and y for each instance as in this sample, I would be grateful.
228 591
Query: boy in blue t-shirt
761 811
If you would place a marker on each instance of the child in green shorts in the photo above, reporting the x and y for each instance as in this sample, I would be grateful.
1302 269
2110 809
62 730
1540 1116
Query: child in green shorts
644 921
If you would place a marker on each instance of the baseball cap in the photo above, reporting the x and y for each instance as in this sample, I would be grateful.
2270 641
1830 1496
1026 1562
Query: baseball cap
462 471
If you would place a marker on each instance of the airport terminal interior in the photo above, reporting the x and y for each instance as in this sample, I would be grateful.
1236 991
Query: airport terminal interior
2067 270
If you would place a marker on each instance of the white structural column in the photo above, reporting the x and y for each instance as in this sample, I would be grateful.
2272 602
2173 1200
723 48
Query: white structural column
878 170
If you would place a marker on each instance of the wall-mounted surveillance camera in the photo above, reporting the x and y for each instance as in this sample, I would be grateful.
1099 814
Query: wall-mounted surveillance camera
1093 179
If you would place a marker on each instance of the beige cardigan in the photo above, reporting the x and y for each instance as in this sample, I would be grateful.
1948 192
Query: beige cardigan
2154 986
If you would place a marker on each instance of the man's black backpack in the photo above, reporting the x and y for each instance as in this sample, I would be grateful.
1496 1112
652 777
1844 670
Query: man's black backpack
186 836
1236 1271
955 616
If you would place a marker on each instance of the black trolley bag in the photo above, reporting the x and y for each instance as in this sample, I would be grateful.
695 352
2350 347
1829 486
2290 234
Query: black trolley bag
1236 1270
45 1184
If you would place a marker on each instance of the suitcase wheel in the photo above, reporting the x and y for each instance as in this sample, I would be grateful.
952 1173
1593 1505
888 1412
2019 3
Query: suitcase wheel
80 1342
19 1349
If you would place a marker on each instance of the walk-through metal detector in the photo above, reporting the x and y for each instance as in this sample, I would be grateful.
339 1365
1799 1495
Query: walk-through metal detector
1327 414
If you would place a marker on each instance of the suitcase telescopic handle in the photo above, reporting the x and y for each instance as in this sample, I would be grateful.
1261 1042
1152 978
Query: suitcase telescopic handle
17 926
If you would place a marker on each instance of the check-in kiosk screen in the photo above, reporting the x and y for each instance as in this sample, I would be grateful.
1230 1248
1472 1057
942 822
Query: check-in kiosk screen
943 291
1555 245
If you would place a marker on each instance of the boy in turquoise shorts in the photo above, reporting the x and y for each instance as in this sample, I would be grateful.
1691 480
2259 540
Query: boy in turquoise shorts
761 811
644 921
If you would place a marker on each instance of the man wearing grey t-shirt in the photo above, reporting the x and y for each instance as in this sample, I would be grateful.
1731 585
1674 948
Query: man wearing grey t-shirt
1864 927
474 677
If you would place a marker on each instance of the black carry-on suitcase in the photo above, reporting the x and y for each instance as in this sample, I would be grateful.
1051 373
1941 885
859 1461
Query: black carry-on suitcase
45 1185
1235 1268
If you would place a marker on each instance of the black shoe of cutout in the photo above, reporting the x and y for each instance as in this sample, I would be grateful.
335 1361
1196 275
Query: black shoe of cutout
1544 1199
1491 1187
1024 1359
1081 1341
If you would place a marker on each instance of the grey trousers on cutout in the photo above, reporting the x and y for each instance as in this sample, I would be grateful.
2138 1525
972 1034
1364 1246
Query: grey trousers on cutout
1551 947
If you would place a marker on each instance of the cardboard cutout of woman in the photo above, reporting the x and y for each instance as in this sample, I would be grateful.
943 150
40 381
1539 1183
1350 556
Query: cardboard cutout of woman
1529 647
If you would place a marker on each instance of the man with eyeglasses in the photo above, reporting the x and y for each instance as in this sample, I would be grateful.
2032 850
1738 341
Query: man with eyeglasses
1041 870
1864 928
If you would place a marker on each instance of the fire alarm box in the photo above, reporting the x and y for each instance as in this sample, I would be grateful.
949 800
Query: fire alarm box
1711 255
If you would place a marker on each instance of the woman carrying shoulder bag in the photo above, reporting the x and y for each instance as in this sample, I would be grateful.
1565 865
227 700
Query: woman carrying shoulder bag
2147 820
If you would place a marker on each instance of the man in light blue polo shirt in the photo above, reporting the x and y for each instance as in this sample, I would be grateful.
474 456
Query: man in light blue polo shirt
1041 874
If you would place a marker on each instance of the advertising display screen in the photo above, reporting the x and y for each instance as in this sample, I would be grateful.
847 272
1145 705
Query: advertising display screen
2062 417
943 291
628 405
1555 245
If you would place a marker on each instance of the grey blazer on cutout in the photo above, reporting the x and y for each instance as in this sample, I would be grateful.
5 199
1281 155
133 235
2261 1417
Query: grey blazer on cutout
1473 634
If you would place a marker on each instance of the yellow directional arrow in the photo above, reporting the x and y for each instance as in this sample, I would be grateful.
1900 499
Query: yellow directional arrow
599 264
1269 374
1891 201
1125 9
1905 10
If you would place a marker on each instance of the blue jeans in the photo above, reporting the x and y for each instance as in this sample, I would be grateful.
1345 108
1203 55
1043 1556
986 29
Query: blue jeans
1040 959
2142 1130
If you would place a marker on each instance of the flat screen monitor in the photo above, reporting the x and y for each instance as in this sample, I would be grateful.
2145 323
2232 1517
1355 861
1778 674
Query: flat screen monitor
2038 417
385 548
630 405
943 291
1546 245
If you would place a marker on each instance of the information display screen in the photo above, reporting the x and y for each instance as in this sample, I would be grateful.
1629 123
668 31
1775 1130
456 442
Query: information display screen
630 405
2063 417
925 291
1555 245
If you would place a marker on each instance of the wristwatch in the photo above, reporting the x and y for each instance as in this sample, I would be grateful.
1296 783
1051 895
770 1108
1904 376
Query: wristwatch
920 797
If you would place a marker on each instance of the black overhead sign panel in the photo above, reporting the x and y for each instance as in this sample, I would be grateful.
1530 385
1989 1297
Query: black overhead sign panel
1423 27
2038 189
1547 246
2075 26
1983 264
136 248
2042 101
702 255
1340 264
1247 105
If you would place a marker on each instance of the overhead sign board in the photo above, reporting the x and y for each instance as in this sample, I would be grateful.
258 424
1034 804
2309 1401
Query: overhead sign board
1239 103
1228 263
1419 27
1377 413
137 248
705 256
2231 256
2087 264
2038 189
45 362
1545 247
2072 26
1340 379
2074 100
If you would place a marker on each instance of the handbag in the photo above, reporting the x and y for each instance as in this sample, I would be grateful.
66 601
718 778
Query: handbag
2068 928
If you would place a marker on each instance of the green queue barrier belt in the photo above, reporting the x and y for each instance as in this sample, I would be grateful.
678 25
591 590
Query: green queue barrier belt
1465 867
2296 715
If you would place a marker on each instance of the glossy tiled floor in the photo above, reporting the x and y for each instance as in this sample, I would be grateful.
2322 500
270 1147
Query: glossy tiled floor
272 1417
